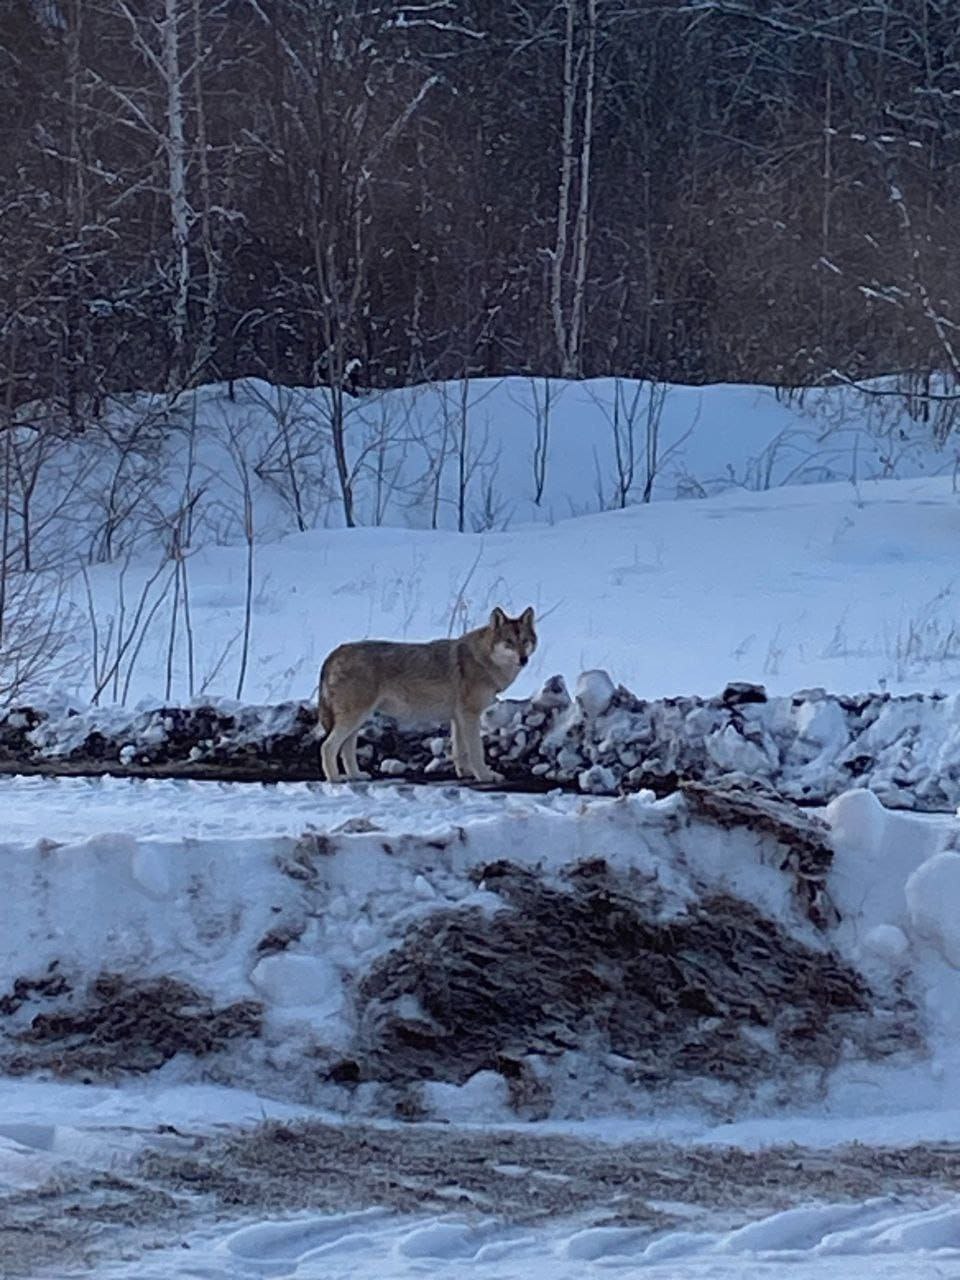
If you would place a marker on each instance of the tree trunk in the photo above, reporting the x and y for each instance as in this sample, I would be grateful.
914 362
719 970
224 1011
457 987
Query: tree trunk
175 145
573 355
564 192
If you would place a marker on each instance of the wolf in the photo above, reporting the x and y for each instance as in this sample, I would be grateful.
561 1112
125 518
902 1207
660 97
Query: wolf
447 681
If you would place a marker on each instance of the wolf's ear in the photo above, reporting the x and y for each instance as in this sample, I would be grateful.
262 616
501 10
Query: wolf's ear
526 618
497 618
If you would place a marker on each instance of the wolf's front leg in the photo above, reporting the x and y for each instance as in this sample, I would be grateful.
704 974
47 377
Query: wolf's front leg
461 764
469 733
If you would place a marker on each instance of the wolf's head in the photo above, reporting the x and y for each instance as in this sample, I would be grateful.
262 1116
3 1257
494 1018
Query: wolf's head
513 640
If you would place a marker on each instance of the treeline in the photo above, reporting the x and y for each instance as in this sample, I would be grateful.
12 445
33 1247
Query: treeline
362 190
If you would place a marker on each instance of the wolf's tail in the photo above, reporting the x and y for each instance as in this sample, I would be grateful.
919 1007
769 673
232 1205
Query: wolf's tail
325 715
324 725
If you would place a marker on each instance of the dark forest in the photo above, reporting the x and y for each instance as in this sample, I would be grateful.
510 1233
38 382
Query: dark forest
378 193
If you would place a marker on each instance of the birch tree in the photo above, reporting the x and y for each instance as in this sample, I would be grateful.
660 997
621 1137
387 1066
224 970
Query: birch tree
568 261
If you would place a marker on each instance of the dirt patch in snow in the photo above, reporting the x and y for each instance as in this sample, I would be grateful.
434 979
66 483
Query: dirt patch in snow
804 838
119 1025
90 1217
587 975
720 992
62 1228
588 985
528 1178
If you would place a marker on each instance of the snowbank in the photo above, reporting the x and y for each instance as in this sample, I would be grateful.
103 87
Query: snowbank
647 968
809 747
425 952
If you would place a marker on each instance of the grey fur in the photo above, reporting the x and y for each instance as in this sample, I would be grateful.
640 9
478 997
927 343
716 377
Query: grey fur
448 681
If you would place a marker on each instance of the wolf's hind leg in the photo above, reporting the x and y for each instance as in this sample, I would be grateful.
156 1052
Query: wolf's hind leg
344 730
348 753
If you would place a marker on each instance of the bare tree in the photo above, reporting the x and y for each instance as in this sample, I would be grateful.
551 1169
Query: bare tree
335 73
175 146
568 278
157 41
243 485
543 396
36 631
634 417
572 188
125 634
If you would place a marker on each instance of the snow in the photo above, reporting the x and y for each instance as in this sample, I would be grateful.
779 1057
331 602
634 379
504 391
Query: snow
185 878
594 692
858 820
46 809
933 896
886 943
710 439
188 879
815 570
299 980
876 854
842 579
879 1238
484 1094
833 607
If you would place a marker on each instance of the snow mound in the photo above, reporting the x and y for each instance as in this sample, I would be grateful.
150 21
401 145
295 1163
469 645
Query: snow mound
594 692
407 951
857 818
810 747
887 944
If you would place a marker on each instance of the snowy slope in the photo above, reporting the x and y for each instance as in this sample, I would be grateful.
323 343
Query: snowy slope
771 575
596 447
850 589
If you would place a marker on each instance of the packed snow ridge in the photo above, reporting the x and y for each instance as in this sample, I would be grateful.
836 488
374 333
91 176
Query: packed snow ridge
884 1235
808 747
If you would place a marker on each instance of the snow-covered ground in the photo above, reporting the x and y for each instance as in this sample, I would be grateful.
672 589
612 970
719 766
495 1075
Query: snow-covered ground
184 879
768 573
716 1232
883 1237
290 897
850 589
